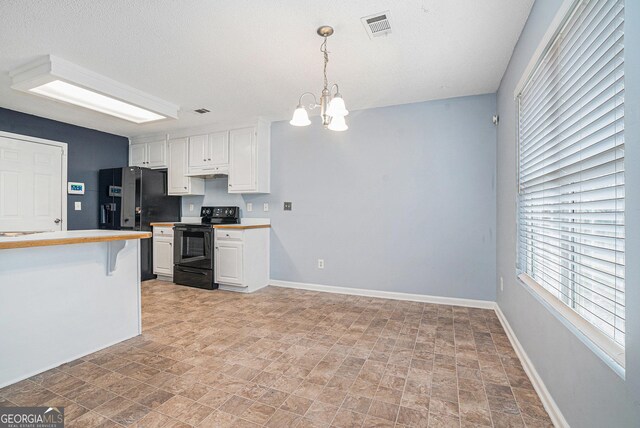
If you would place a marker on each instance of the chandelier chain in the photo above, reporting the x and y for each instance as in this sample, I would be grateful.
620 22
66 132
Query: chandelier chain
323 49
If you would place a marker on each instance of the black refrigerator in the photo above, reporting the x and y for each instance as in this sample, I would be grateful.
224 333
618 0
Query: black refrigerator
132 198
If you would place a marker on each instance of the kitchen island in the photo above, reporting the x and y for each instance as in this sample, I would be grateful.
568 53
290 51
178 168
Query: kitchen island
64 295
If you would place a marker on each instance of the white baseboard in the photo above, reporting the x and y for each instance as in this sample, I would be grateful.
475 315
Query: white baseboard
483 304
547 400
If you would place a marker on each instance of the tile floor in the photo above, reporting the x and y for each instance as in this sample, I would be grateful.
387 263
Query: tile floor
292 358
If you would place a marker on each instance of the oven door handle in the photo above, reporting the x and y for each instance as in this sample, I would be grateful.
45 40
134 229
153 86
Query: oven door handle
181 269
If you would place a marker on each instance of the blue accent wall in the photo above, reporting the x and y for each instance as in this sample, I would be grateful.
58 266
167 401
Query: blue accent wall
404 201
89 151
588 392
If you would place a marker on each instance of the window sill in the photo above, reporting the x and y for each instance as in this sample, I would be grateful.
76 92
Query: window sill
608 351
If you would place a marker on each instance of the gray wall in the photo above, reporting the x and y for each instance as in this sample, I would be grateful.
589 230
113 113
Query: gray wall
588 392
89 151
403 201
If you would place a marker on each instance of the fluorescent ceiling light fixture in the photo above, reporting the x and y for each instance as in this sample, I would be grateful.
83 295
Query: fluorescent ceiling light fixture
61 80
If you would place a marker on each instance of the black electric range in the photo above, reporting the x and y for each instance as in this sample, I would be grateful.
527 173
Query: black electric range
193 243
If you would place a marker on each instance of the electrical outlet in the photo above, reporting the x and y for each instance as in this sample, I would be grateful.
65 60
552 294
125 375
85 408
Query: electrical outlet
501 284
265 207
249 207
320 263
191 207
78 206
287 206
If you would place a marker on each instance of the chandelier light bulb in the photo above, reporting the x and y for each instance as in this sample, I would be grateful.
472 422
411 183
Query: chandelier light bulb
300 117
338 124
337 107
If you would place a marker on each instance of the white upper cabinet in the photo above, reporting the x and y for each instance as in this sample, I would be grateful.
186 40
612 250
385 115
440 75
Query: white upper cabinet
148 155
250 159
198 152
242 174
157 154
178 181
244 154
138 155
219 149
209 154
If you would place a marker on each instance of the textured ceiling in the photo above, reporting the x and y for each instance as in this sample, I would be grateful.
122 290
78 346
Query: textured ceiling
242 59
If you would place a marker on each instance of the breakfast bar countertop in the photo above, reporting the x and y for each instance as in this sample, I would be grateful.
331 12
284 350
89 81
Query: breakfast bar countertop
44 239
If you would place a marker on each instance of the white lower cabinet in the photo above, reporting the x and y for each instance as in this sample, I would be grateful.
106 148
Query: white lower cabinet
241 259
229 260
163 252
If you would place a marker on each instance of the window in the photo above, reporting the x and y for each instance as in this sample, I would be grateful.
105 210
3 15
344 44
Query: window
571 233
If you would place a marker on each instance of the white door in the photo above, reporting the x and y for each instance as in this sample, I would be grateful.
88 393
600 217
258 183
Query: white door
163 256
156 154
219 149
178 183
242 160
198 151
138 155
228 262
30 186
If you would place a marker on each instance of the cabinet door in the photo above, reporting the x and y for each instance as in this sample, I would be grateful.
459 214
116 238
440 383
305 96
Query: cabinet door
178 183
157 154
218 149
198 151
162 256
138 155
228 263
242 160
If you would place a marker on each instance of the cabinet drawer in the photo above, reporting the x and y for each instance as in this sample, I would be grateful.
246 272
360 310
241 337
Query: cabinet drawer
228 235
162 231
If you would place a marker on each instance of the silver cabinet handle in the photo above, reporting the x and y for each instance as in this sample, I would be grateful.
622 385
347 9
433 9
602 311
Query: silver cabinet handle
56 221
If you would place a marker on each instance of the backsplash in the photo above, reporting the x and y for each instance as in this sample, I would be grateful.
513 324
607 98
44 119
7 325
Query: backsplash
215 195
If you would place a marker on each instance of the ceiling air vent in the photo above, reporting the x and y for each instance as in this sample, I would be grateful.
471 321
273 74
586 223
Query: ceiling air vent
377 24
201 110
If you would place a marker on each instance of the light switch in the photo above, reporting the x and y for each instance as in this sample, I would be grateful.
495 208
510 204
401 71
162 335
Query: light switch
78 206
265 207
249 207
190 207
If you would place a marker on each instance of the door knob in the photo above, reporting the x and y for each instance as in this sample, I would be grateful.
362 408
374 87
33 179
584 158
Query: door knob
56 221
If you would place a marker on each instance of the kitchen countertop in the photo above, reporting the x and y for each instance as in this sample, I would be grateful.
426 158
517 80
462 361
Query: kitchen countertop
245 223
241 226
45 239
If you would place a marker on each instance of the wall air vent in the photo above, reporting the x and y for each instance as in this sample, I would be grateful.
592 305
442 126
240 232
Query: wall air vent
201 110
377 24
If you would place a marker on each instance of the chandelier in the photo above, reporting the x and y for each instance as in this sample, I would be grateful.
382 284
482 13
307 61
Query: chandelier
332 108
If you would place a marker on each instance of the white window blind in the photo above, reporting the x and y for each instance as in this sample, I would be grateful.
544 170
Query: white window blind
571 168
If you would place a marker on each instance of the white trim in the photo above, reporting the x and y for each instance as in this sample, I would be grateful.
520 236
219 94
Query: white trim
606 349
65 151
454 301
545 396
548 37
